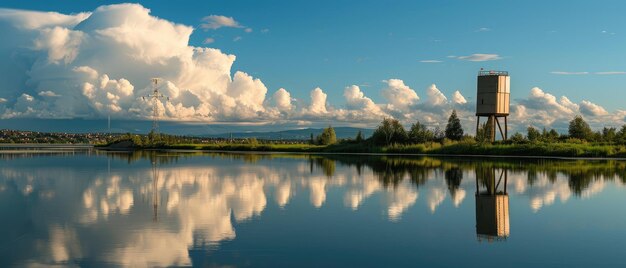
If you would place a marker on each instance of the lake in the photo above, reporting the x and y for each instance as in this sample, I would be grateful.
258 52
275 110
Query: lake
93 208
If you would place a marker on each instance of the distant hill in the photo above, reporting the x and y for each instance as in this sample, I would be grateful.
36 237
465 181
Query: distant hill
296 134
173 127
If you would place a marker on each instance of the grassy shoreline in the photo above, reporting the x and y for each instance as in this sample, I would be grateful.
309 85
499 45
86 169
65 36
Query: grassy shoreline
586 150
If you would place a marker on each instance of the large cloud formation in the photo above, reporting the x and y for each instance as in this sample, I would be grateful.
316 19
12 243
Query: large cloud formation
542 109
98 64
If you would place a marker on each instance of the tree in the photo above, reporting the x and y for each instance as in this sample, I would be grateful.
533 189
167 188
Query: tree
517 138
480 133
609 134
312 141
154 138
136 139
484 132
532 134
544 134
420 134
253 141
595 136
327 136
621 135
454 130
579 129
390 131
359 137
439 135
553 135
549 136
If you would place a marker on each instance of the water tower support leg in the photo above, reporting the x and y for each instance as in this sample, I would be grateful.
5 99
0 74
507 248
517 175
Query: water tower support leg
506 129
499 127
492 131
477 124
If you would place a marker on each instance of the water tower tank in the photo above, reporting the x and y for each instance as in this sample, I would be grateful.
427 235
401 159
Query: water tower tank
493 93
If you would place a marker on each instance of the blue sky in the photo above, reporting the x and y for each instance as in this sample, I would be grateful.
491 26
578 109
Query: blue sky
332 44
558 46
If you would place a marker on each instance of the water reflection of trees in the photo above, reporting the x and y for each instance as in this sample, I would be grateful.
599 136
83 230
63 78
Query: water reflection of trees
327 165
453 177
392 170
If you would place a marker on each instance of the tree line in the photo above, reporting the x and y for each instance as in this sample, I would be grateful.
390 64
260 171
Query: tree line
391 131
578 131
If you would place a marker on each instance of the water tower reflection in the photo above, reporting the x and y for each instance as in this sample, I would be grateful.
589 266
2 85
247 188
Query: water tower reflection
492 204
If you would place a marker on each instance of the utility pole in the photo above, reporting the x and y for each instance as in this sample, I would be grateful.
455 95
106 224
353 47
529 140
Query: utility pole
155 97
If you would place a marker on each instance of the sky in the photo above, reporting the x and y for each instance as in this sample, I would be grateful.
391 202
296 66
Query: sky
304 63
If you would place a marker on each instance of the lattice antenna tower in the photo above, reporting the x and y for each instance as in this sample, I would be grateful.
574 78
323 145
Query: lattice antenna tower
155 98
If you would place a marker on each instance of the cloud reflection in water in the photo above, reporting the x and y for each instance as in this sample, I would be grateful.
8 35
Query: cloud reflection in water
199 204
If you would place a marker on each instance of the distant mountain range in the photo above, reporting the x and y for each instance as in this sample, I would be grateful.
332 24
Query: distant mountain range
296 134
175 128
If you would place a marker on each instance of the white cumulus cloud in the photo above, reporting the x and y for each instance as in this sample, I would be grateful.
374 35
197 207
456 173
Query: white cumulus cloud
100 63
399 95
590 108
318 101
542 109
282 98
458 98
435 97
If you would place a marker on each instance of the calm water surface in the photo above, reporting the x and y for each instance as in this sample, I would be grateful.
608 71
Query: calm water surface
277 210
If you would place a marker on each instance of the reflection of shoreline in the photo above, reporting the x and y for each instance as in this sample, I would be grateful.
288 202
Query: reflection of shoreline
54 148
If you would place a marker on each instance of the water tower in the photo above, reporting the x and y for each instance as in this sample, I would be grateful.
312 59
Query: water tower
493 100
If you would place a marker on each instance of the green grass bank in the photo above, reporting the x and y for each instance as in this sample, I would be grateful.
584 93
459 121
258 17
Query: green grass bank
450 148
